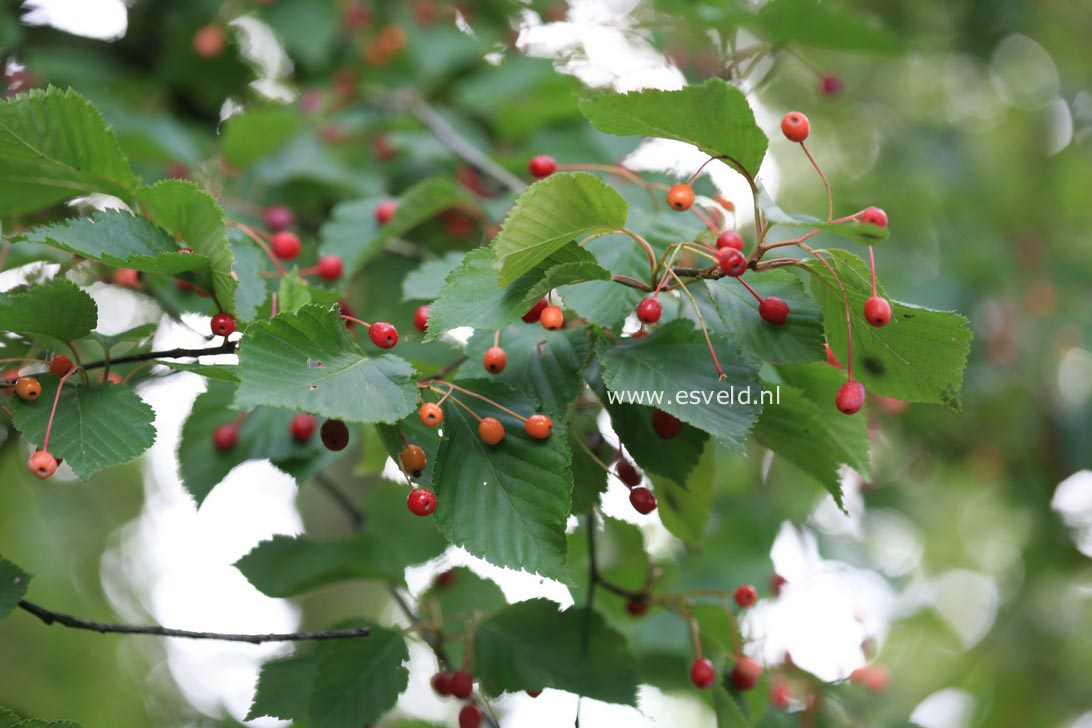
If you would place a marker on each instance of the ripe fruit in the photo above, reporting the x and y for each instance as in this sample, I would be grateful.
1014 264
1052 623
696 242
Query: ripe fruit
278 217
462 684
542 166
303 427
745 674
627 473
223 324
680 197
329 267
637 607
830 85
666 426
795 126
538 426
873 677
494 360
780 694
746 595
422 502
532 316
209 41
702 673
385 210
850 398
413 460
42 464
28 388
383 335
777 583
420 318
552 318
642 500
225 437
649 310
431 414
286 245
874 215
128 278
60 365
490 430
732 262
470 716
730 239
774 310
877 311
335 435
441 683
533 693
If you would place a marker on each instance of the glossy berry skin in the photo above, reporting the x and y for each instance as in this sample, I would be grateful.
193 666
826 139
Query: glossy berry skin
303 427
732 262
532 316
421 502
730 239
666 426
680 197
385 210
649 310
223 324
413 460
746 595
774 310
431 414
42 464
542 166
642 500
462 684
225 437
335 435
702 674
441 683
494 360
636 607
420 318
286 245
627 473
490 430
329 267
795 126
278 217
28 388
745 674
383 335
60 365
850 398
875 216
470 716
877 311
538 426
552 318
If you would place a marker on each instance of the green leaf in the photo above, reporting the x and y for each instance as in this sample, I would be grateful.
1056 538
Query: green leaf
96 427
589 478
138 337
675 364
293 293
728 712
849 434
823 25
856 232
257 133
550 214
605 303
55 146
59 309
506 503
531 645
358 680
918 357
684 508
424 282
421 203
463 592
284 687
713 116
13 586
307 361
216 372
249 264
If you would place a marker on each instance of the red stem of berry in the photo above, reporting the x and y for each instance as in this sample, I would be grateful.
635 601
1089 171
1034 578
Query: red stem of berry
701 321
849 317
872 267
53 411
698 172
748 287
365 324
830 195
483 398
253 235
704 218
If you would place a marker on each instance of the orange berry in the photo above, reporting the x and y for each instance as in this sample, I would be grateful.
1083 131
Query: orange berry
552 318
42 464
413 459
431 414
680 197
538 426
495 360
28 388
490 430
795 126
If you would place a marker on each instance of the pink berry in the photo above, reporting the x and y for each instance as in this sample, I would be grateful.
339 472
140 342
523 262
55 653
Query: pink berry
877 311
702 673
730 239
746 673
420 318
385 210
329 267
830 85
286 245
278 217
225 437
383 335
542 166
874 216
649 310
850 398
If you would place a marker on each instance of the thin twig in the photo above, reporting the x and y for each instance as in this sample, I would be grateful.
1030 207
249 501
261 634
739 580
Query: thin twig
354 514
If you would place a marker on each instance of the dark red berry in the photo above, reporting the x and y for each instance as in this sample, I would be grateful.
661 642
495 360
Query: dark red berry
830 85
877 311
649 310
535 313
462 684
278 217
745 674
542 166
223 324
637 607
875 216
286 245
666 426
732 262
627 473
850 398
225 437
334 434
441 683
773 310
329 267
59 365
470 716
303 427
420 318
702 673
385 210
533 693
746 595
730 239
795 126
422 502
642 500
383 335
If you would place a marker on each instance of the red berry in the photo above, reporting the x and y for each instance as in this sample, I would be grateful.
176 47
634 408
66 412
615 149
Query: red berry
795 126
422 502
551 318
732 262
777 583
413 460
278 217
830 85
533 693
538 426
42 464
702 673
335 435
303 427
850 398
490 430
60 365
441 683
774 310
462 684
383 335
680 197
535 313
209 41
431 414
649 310
542 166
730 239
128 278
225 437
637 607
185 250
420 318
286 245
746 595
875 216
877 311
329 267
642 500
494 360
780 694
223 324
470 716
666 426
627 473
745 674
385 210
873 677
445 579
28 388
